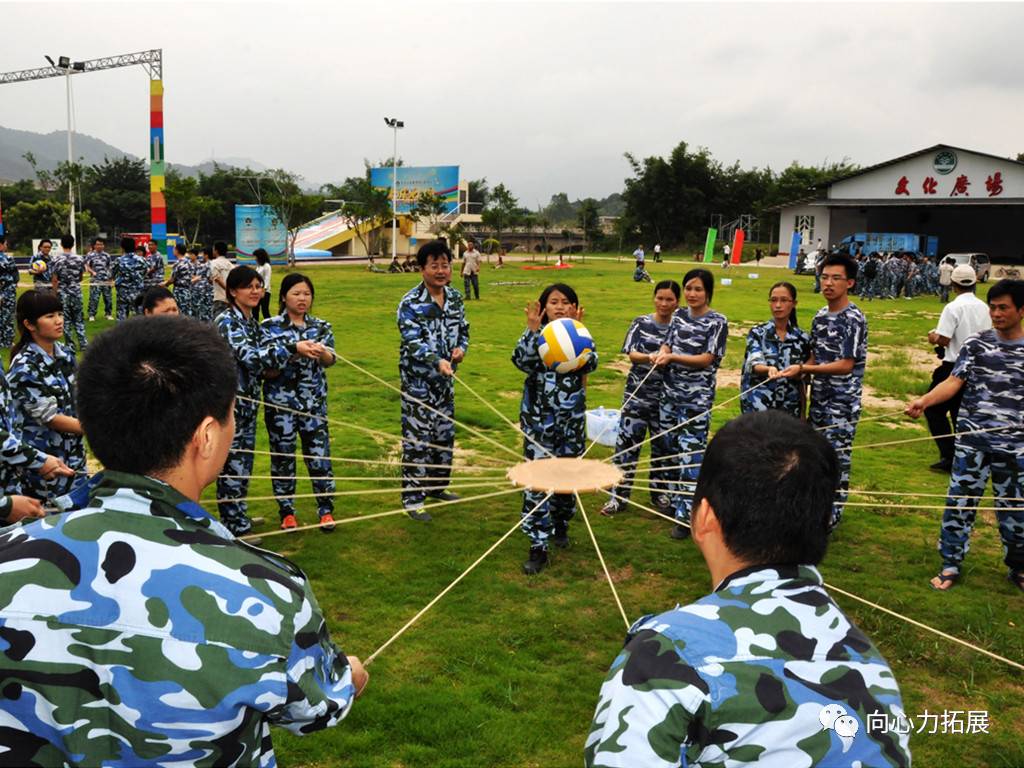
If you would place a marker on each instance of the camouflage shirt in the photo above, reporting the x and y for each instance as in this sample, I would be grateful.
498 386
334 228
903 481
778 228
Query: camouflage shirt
181 274
694 388
302 384
138 631
101 263
764 347
645 335
745 676
8 276
837 336
154 269
15 454
254 352
43 279
129 273
430 334
551 400
68 268
992 370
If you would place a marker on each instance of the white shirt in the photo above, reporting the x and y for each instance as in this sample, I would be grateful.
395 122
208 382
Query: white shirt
963 317
264 272
657 248
638 254
945 273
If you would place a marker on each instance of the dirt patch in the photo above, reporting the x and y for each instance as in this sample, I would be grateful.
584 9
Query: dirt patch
728 377
921 358
620 364
617 574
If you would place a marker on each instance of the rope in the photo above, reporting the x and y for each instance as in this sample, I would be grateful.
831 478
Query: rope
451 586
429 407
501 415
624 404
886 415
370 492
647 509
256 451
400 511
351 478
929 437
604 566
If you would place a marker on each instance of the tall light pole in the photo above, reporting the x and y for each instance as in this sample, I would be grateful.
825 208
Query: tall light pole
395 124
65 64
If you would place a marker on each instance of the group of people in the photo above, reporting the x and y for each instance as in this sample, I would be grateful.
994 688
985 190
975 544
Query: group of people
887 275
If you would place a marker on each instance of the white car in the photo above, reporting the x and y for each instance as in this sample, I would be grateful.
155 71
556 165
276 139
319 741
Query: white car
979 262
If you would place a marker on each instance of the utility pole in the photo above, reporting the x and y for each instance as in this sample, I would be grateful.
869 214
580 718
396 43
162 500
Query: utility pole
152 62
395 124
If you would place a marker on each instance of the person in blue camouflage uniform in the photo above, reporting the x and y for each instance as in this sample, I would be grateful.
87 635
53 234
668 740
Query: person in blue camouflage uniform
99 264
641 405
202 286
872 277
772 347
43 278
552 417
182 273
42 381
154 265
891 268
990 371
8 293
691 355
766 670
68 269
254 353
162 640
129 273
434 340
300 385
839 350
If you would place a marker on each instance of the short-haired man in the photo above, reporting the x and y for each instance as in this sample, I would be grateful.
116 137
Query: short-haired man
8 294
154 265
471 269
961 319
990 371
68 269
434 340
945 278
750 673
129 273
98 264
839 351
41 277
219 269
161 638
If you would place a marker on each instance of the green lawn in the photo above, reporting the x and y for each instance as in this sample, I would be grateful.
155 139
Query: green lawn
505 670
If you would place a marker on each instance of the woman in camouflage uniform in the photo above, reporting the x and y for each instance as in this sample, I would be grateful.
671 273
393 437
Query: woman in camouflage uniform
202 286
772 347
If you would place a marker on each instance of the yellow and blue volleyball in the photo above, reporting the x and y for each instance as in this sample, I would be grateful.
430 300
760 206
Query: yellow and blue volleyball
565 345
39 266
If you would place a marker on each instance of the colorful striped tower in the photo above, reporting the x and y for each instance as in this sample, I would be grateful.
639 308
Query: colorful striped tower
157 204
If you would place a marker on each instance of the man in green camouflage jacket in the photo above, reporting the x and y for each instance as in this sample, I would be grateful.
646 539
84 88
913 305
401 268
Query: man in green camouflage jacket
137 630
766 670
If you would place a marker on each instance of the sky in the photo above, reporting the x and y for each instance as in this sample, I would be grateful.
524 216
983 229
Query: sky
544 97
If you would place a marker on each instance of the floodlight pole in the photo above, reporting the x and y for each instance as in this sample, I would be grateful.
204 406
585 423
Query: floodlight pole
395 124
71 155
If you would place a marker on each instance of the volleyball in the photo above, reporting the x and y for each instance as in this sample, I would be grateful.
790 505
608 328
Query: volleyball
39 266
565 344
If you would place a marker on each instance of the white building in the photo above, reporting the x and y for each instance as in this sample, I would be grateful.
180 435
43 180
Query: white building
971 201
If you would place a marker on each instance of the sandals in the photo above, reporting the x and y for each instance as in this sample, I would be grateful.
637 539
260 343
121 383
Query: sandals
946 576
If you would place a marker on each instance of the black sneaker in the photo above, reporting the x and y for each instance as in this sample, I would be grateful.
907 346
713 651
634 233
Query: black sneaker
560 538
942 466
680 532
444 496
536 562
419 514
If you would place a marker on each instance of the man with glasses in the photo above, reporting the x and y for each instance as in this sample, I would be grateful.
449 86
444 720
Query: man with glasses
839 345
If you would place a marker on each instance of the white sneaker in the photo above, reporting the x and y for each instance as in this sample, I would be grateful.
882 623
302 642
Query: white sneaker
93 319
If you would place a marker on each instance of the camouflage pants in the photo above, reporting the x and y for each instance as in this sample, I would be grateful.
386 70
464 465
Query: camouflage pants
565 439
284 430
689 441
95 291
871 288
841 418
183 298
971 470
424 465
239 465
7 304
74 320
126 299
634 425
202 305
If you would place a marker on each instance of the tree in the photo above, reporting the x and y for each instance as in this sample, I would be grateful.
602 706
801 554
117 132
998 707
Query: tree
545 224
46 180
117 193
229 186
559 209
430 206
44 218
1020 157
291 205
187 206
501 211
455 234
362 207
479 195
589 220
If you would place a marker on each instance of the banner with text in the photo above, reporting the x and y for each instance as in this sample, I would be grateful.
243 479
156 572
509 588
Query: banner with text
257 226
442 180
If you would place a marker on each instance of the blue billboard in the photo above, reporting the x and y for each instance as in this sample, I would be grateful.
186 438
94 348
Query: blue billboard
257 226
442 180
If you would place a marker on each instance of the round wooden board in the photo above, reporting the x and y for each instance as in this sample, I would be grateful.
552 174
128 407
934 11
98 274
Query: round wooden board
565 475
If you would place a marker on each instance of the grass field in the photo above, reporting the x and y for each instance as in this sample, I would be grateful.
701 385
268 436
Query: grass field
505 670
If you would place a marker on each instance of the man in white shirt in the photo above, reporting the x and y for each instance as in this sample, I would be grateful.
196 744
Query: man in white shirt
638 254
657 251
471 270
963 317
219 268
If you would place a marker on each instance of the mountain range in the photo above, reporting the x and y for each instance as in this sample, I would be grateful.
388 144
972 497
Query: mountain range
50 149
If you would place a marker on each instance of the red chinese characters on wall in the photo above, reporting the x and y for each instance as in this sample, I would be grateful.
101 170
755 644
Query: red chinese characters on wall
929 186
960 186
994 184
901 186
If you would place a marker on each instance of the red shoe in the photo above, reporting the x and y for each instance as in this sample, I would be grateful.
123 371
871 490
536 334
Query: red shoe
327 523
289 523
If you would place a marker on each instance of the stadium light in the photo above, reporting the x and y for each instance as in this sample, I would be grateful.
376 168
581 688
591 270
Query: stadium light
394 123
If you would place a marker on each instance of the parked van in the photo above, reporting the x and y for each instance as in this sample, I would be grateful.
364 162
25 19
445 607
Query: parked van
980 262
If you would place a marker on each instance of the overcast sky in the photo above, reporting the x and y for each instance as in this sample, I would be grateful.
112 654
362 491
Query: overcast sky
543 97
